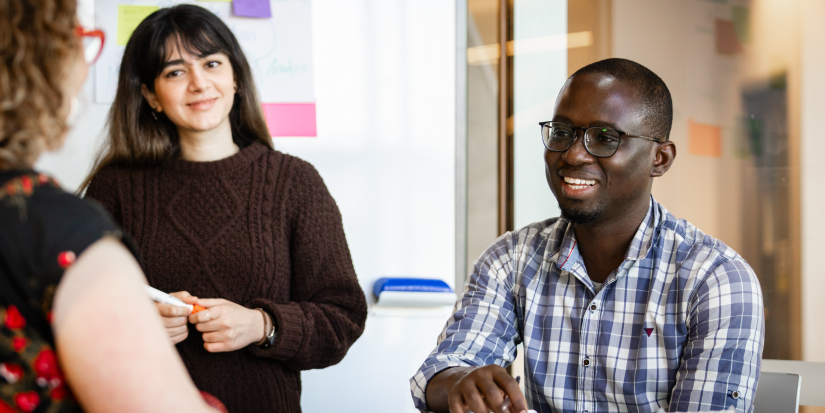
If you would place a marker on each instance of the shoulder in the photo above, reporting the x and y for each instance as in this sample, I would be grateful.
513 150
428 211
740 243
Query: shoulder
45 228
531 240
702 259
693 245
107 176
63 214
296 176
107 181
297 170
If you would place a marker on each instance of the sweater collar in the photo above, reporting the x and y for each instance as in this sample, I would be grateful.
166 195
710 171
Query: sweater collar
244 157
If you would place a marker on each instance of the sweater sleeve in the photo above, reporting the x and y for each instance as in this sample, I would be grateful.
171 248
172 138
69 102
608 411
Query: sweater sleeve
327 308
103 189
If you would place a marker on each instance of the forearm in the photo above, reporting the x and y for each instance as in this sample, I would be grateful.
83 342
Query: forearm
124 331
438 389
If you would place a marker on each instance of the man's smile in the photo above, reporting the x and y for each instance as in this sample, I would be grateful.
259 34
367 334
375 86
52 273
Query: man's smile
577 188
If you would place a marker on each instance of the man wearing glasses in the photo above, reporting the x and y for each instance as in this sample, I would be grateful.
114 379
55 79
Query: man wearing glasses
620 305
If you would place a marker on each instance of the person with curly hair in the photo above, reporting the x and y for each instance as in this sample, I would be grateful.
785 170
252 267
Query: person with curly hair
191 174
77 332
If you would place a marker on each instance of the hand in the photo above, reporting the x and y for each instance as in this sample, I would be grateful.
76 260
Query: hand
174 317
484 389
227 326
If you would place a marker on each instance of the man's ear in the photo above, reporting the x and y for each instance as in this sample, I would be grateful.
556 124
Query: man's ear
151 98
665 155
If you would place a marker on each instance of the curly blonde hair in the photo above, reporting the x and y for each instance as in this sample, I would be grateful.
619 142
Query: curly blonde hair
37 39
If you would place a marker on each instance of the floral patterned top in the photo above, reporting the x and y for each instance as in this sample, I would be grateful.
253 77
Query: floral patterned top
44 230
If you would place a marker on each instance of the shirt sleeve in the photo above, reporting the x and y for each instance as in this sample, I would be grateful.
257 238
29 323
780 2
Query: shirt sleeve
726 334
327 310
483 329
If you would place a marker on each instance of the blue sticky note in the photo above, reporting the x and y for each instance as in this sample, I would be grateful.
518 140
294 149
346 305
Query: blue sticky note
252 8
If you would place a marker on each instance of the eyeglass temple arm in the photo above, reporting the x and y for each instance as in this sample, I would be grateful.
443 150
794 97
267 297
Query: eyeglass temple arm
644 137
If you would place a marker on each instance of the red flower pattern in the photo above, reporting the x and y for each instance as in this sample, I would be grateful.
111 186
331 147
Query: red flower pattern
26 183
27 401
14 320
46 368
11 372
19 343
60 392
5 408
66 259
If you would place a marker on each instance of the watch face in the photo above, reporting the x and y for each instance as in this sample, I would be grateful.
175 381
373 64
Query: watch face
272 336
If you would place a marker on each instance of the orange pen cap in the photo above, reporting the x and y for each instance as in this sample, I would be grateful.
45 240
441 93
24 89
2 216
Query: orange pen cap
196 308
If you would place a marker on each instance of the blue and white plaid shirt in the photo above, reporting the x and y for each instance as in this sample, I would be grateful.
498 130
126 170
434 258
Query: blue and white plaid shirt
679 325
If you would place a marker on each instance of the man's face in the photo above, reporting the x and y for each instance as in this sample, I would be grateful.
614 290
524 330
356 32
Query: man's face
616 185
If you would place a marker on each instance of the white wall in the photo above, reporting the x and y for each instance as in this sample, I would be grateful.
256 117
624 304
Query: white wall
812 179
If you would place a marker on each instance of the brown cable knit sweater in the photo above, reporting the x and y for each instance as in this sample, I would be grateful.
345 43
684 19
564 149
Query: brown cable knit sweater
259 229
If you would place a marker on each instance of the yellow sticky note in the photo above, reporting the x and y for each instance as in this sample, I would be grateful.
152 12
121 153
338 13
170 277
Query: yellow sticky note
128 19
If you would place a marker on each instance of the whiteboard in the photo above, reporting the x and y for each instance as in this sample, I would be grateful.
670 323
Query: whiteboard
279 49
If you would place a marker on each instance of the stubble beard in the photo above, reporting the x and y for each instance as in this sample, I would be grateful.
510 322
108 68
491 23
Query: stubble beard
582 216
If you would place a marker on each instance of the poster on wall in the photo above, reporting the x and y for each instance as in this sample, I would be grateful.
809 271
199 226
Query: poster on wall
277 42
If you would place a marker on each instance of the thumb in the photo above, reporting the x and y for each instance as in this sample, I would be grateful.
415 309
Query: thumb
185 297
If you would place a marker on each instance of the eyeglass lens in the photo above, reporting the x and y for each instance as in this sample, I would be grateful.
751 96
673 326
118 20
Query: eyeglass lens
601 142
91 48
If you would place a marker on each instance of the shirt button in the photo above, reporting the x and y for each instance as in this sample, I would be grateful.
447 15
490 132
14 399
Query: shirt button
735 394
593 307
586 361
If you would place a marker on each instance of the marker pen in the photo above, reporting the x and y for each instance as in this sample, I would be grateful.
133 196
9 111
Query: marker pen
161 297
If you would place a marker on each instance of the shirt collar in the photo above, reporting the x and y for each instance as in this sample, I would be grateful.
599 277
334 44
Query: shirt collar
568 254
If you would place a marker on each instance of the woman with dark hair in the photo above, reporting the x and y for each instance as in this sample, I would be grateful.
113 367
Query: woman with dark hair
190 173
76 329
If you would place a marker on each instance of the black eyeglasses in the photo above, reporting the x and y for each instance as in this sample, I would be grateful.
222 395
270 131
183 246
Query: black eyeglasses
599 141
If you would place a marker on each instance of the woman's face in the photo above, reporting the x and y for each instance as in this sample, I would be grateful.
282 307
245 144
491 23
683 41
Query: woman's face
195 93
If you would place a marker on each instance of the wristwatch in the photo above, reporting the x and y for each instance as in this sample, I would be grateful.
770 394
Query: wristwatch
269 340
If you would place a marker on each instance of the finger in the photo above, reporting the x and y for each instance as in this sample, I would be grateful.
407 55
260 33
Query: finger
511 387
492 394
176 331
205 327
211 302
205 316
185 297
215 337
216 347
168 310
222 335
170 322
177 339
475 402
456 405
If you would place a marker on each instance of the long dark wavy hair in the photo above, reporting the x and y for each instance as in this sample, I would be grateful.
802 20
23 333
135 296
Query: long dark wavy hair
135 137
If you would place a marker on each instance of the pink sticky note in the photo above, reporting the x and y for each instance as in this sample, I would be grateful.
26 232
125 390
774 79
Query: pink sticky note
252 8
290 119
